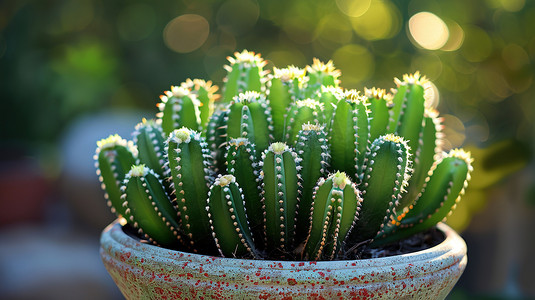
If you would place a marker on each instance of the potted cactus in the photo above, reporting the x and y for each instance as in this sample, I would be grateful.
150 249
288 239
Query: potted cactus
278 186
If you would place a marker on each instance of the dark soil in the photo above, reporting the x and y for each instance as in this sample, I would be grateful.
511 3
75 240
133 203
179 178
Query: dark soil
417 242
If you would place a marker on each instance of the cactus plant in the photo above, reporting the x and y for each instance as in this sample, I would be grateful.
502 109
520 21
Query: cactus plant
287 166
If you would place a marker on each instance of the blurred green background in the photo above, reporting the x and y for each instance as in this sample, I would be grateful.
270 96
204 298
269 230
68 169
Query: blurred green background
70 71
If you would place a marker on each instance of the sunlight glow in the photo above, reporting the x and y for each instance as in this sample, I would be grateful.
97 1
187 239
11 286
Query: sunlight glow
428 30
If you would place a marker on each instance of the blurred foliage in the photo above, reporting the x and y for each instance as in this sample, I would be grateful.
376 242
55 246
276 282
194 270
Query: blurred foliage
60 59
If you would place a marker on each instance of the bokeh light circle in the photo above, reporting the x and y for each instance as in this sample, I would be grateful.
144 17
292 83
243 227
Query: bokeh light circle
381 21
353 8
428 30
356 63
186 33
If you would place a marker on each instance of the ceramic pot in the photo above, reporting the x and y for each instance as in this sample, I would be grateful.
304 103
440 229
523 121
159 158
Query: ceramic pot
143 271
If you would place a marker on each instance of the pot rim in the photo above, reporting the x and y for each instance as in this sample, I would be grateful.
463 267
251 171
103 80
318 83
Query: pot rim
453 246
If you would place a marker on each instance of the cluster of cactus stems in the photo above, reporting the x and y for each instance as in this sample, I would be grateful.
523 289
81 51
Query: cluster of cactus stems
286 165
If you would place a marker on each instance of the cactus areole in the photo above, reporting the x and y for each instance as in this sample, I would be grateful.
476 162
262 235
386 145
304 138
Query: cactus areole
284 166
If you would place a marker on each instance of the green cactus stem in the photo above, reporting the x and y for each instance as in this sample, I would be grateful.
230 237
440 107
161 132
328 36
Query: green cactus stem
249 116
329 97
150 142
334 212
113 158
442 191
281 184
321 74
179 108
206 94
428 152
242 163
380 105
216 136
386 176
245 73
409 108
191 177
349 135
284 88
302 112
228 220
313 151
148 208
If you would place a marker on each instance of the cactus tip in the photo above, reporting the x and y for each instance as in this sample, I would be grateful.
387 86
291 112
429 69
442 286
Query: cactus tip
415 78
311 127
278 147
247 97
111 141
138 171
238 142
182 135
340 180
355 96
225 180
319 66
288 74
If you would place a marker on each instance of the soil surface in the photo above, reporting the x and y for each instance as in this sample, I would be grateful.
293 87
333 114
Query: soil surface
417 242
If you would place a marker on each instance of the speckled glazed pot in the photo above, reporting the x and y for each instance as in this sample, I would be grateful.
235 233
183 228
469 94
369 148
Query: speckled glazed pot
144 271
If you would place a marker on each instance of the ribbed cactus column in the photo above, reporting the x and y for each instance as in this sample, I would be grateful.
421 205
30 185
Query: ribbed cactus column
250 117
179 108
245 73
442 191
148 207
349 135
334 212
302 112
190 172
205 93
280 183
380 107
386 175
313 151
321 74
427 153
228 220
242 163
150 142
408 110
284 88
329 97
216 137
113 158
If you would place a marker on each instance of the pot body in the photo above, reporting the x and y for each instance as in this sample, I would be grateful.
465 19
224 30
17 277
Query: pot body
143 271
